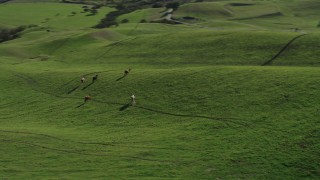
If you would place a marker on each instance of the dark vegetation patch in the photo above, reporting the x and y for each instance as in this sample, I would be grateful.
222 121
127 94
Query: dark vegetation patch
3 1
173 5
143 21
283 23
10 34
110 19
129 6
240 4
165 21
189 18
157 5
75 2
271 15
276 14
92 10
113 3
41 57
124 21
122 8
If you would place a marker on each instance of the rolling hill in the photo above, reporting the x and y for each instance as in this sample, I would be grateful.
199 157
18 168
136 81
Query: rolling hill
231 94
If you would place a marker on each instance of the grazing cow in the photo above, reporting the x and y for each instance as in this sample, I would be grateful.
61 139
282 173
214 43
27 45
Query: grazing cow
94 78
126 72
83 80
87 98
133 100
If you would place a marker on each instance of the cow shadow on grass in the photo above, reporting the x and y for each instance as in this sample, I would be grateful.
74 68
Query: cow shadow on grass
72 90
87 85
124 107
80 105
121 77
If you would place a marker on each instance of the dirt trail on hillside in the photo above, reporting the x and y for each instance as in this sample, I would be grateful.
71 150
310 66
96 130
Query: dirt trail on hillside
270 61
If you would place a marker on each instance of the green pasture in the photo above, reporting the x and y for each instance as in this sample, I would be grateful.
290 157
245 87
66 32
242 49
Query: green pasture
206 106
279 15
209 119
49 15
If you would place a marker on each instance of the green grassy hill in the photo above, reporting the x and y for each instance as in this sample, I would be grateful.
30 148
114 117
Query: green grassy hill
210 119
206 107
53 16
253 14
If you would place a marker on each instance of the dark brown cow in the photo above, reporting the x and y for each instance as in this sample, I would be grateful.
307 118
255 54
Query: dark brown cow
87 98
94 78
126 72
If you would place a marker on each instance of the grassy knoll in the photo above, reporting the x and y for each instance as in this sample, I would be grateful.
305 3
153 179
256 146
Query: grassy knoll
219 121
51 16
206 108
146 14
208 47
257 14
301 52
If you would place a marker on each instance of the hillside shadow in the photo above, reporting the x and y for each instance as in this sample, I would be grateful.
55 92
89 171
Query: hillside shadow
72 90
121 77
124 107
87 86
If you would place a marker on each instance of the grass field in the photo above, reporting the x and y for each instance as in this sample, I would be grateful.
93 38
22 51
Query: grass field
206 107
269 15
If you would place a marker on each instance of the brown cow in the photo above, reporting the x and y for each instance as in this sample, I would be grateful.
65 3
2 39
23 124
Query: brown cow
87 98
126 72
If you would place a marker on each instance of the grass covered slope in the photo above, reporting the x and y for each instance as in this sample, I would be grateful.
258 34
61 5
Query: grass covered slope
104 46
49 15
206 107
272 15
206 47
209 119
302 52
